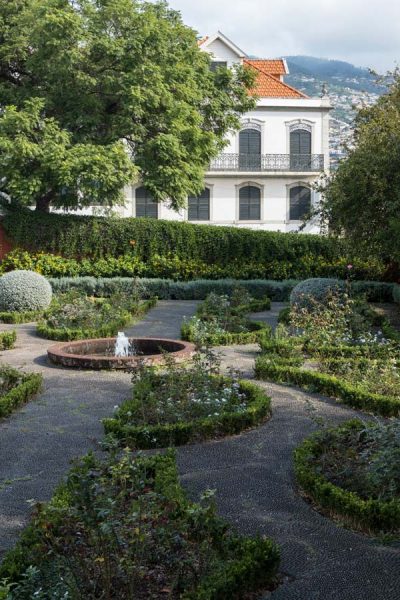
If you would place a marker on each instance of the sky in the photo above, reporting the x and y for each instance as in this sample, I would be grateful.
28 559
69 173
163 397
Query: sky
363 32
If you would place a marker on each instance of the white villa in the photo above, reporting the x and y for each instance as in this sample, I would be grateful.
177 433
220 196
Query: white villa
263 179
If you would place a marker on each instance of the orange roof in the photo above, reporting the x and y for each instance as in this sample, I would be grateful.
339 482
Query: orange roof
202 40
268 86
274 66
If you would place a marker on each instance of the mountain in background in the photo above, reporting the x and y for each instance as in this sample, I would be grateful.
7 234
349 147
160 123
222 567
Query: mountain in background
348 85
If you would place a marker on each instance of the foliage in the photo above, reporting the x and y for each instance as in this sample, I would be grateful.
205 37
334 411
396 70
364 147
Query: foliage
123 528
20 317
361 198
24 291
374 375
41 163
308 292
230 251
16 388
396 293
73 316
7 339
352 472
102 72
221 320
178 406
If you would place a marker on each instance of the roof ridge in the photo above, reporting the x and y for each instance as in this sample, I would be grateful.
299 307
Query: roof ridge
286 85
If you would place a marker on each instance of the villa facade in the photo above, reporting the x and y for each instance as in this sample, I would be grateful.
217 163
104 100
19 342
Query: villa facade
264 177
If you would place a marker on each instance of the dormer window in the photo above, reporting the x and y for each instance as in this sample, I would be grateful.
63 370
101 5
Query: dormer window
218 64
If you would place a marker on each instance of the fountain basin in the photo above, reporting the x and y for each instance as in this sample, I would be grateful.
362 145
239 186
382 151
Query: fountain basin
99 354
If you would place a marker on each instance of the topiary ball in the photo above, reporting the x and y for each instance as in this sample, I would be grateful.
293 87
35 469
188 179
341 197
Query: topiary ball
317 289
24 291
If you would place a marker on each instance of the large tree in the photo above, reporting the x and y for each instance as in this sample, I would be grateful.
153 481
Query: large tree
361 200
105 73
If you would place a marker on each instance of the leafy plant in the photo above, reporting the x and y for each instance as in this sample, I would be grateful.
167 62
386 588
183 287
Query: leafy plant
22 291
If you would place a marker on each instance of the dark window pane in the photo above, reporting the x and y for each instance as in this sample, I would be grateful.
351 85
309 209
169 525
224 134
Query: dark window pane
199 207
146 206
300 202
216 64
250 150
249 203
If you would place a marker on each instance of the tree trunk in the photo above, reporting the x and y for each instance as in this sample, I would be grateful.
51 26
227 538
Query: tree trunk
43 203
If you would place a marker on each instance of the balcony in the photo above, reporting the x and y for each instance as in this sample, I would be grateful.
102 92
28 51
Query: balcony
299 163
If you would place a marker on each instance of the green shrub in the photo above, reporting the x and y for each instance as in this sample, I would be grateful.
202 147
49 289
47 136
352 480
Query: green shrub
328 385
16 388
106 322
396 293
176 250
123 527
315 290
20 317
371 515
7 339
24 291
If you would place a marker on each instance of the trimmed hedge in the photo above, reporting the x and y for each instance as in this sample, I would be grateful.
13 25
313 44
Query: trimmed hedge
178 434
17 318
239 252
111 329
198 289
372 515
26 386
250 563
328 385
258 331
7 340
396 293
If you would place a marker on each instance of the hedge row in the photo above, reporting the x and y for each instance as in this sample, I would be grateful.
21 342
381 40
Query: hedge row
371 515
328 385
182 269
230 251
256 332
19 317
111 329
250 562
24 388
7 340
167 289
185 432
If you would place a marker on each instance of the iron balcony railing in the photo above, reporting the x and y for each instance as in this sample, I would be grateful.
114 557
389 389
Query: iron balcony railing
268 162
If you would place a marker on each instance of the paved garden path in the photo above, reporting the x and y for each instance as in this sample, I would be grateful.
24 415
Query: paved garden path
252 473
38 442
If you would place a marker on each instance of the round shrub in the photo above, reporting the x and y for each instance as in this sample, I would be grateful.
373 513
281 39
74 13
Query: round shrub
317 289
24 291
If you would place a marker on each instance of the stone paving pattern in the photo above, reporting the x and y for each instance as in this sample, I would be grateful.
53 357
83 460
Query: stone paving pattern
251 473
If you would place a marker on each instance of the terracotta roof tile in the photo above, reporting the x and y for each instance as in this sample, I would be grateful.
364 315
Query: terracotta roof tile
268 86
272 66
202 40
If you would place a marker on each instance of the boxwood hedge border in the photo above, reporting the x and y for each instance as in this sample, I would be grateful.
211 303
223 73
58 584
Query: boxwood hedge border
371 515
29 385
8 339
259 330
178 434
108 330
328 385
16 318
253 568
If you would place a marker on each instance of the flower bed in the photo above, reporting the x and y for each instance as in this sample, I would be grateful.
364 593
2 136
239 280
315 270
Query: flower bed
352 472
178 406
7 340
16 388
74 317
221 320
123 528
17 318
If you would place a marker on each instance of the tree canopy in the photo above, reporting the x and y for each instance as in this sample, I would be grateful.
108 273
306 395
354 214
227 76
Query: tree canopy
90 78
361 200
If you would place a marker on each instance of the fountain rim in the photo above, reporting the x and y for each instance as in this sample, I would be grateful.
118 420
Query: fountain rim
57 354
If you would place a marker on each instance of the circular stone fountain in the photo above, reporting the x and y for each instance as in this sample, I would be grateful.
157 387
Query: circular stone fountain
100 354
